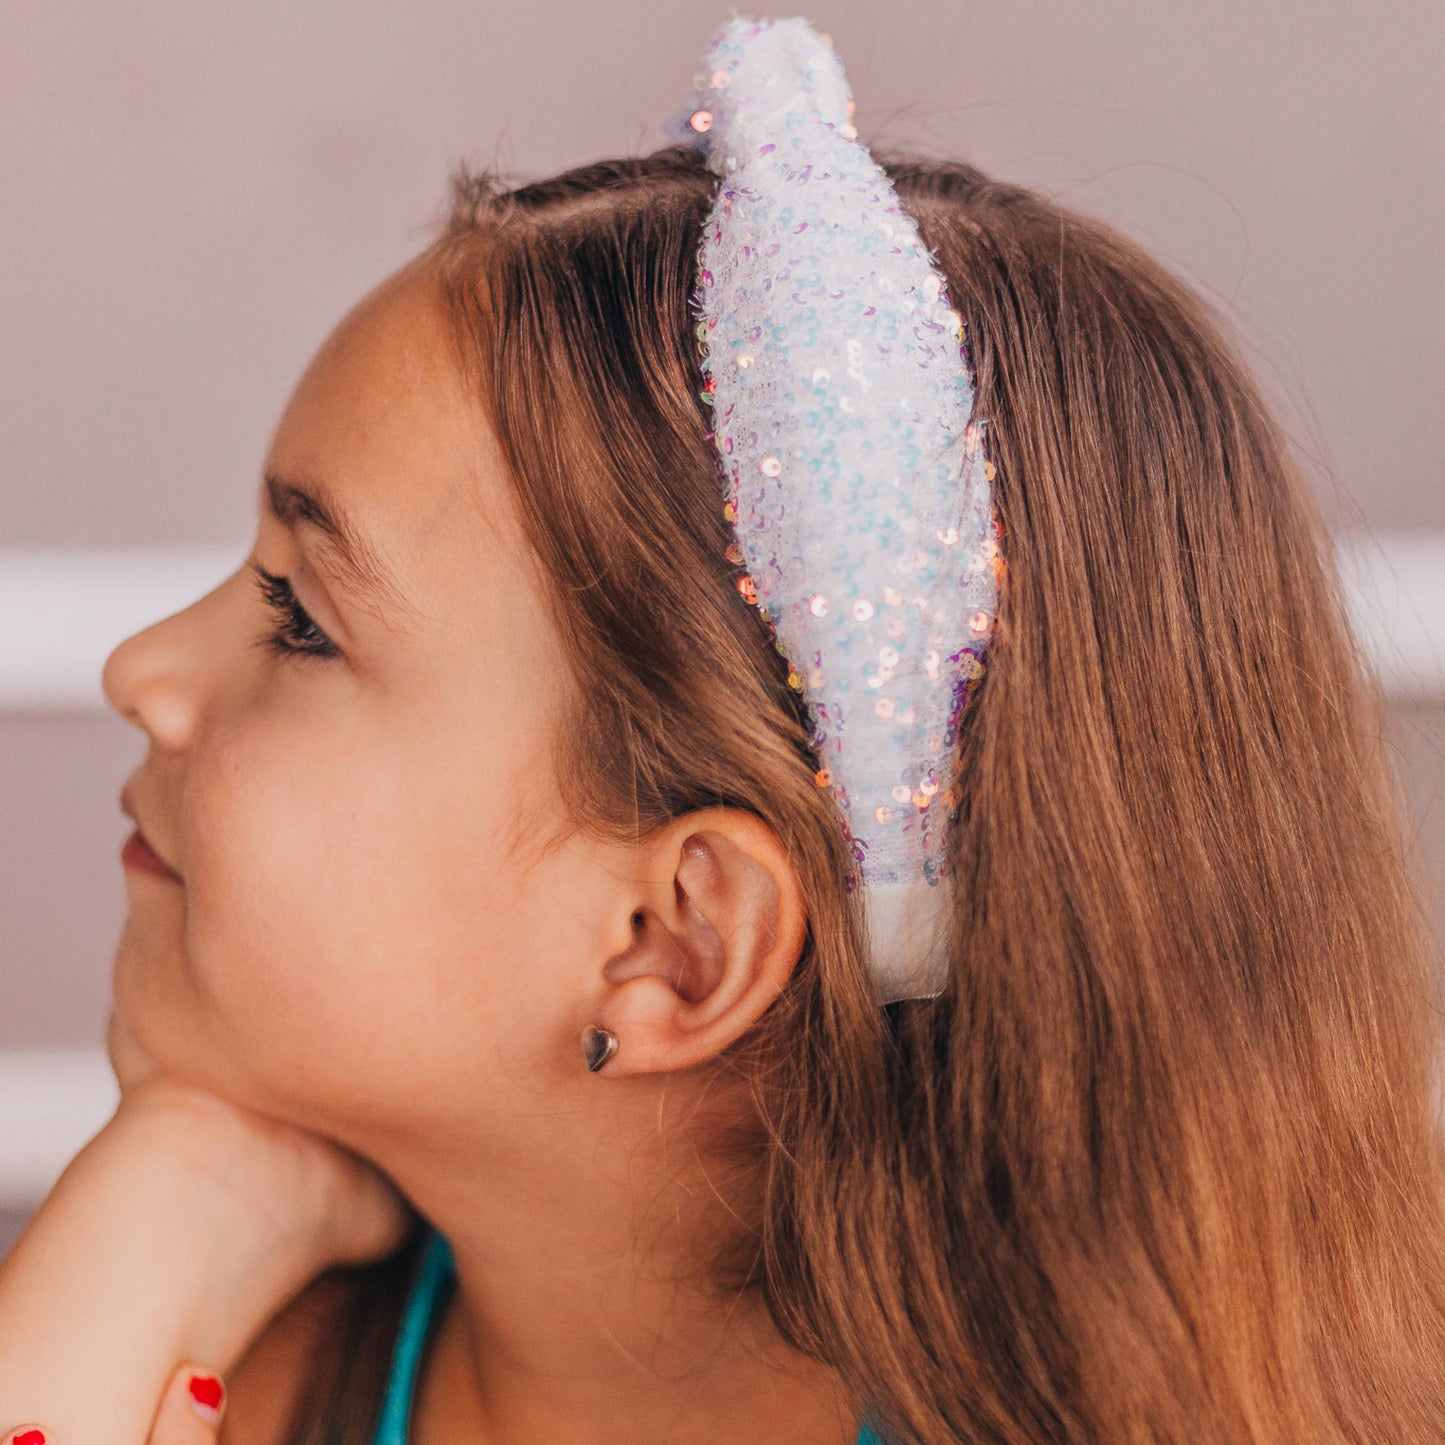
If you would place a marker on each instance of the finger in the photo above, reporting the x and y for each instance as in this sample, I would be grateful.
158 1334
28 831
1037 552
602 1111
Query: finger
191 1409
28 1435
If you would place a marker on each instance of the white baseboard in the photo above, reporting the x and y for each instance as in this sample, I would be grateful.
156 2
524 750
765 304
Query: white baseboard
1395 583
52 1101
63 610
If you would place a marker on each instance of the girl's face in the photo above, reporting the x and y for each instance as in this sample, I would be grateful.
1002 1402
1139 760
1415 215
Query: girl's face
367 938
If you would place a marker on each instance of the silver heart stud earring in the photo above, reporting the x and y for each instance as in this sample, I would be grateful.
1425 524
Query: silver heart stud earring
598 1045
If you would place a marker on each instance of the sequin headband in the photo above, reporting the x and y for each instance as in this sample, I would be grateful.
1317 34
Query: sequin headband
857 483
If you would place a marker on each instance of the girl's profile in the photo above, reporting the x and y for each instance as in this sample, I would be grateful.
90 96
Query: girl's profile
500 1048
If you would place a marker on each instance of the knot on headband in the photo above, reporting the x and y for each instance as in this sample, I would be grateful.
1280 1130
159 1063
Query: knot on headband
854 472
743 105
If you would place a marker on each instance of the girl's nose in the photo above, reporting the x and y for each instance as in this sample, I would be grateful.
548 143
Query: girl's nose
156 678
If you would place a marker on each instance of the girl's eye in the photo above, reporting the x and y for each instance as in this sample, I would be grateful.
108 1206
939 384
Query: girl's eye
295 633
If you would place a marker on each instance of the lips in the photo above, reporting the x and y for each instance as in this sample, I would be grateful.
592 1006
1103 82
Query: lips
128 808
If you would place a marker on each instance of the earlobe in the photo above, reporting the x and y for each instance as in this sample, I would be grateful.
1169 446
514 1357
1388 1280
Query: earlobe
721 932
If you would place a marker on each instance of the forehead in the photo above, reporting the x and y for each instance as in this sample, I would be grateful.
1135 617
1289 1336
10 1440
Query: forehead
381 420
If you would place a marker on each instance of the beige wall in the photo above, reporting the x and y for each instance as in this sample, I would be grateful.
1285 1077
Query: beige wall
193 193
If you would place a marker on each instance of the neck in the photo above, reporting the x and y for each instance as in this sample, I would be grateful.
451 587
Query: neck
586 1310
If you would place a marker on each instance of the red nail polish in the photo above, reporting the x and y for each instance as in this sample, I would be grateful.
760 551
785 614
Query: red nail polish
207 1391
31 1437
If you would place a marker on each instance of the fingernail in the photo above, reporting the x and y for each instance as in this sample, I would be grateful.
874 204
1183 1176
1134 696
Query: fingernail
29 1437
207 1392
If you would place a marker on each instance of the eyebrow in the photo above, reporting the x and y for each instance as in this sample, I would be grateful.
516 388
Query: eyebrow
355 561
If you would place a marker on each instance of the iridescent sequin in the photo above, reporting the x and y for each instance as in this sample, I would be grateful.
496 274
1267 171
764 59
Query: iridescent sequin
841 398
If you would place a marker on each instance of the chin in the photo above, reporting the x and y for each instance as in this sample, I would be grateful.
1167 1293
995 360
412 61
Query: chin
148 985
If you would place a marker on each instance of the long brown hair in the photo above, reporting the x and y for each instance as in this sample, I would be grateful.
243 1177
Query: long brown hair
1163 1162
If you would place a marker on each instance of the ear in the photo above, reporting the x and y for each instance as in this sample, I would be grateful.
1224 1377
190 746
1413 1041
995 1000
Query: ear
716 934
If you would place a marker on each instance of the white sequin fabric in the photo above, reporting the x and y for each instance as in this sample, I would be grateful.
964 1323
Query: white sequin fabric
854 472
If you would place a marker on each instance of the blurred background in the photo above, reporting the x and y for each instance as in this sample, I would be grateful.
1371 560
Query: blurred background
194 194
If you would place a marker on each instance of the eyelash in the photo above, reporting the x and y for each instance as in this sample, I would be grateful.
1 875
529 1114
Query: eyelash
295 633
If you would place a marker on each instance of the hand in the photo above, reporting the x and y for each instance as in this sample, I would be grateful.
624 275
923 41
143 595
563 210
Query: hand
189 1414
298 1179
176 1234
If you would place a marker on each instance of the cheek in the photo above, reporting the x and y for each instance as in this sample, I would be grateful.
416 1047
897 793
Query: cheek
336 921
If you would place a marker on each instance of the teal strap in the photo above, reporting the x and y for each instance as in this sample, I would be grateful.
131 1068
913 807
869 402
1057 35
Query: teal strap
438 1268
437 1271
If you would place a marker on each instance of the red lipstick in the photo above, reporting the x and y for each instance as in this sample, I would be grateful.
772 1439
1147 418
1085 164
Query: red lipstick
137 853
